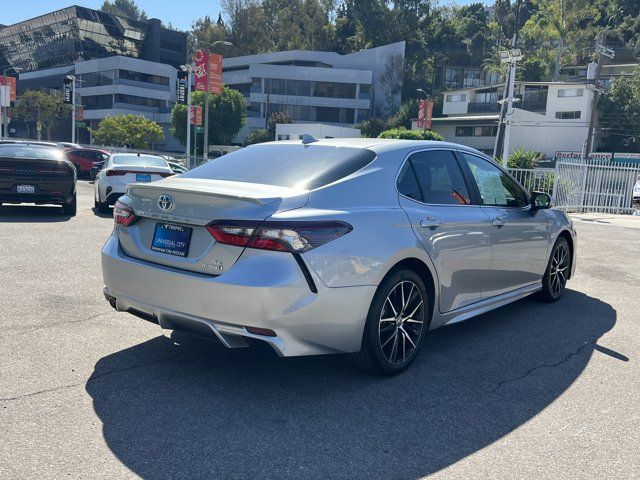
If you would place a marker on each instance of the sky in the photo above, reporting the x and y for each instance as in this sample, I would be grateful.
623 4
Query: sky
181 14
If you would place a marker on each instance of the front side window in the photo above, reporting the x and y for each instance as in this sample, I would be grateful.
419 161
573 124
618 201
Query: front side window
433 177
496 188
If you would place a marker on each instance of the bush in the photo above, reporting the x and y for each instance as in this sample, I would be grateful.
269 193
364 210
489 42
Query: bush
260 135
522 158
403 133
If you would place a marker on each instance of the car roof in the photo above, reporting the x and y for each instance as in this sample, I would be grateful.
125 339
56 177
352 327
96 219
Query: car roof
380 145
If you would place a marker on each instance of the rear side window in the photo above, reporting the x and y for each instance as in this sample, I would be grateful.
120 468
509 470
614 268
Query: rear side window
305 167
437 177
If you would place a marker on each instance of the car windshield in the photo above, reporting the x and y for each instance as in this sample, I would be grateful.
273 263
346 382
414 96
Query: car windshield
139 160
286 165
21 151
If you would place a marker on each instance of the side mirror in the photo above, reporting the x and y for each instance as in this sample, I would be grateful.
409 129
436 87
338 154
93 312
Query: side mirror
94 172
540 200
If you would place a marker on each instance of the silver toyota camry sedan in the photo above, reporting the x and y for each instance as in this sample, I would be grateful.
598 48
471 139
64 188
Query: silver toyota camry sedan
357 246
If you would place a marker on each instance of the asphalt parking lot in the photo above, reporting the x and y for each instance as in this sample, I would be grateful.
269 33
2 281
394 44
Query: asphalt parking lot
528 391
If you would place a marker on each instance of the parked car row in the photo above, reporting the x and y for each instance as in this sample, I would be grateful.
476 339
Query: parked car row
45 173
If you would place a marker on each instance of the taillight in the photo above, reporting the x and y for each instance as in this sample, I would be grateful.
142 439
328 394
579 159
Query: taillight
296 237
123 215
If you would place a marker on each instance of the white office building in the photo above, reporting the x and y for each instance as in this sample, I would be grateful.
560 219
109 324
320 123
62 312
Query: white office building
318 87
114 86
549 116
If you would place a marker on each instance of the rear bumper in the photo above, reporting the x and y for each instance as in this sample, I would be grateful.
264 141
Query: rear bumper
46 192
263 289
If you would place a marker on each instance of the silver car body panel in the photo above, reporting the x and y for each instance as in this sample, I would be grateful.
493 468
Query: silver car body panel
474 266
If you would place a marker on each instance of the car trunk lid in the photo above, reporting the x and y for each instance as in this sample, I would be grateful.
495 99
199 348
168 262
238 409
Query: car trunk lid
192 204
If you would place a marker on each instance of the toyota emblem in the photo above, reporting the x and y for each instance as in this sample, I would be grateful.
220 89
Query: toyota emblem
165 202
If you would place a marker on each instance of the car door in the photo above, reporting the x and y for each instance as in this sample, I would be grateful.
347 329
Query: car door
519 235
455 233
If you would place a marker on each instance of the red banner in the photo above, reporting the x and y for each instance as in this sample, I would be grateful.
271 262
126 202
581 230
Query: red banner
215 73
425 114
214 67
79 113
195 117
11 82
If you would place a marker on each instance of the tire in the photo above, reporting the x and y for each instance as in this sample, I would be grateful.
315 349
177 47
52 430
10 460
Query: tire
555 276
101 207
391 342
71 208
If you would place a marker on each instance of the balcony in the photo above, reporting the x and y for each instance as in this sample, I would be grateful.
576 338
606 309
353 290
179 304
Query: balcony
483 107
533 103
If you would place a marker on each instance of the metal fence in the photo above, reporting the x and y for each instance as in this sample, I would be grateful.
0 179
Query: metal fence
595 186
538 179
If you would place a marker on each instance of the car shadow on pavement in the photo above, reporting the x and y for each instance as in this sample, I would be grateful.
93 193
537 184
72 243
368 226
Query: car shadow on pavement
108 214
32 214
192 409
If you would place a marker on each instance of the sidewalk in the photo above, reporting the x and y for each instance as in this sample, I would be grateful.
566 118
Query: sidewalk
627 221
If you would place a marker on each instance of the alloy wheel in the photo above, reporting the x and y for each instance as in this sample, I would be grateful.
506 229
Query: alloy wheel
401 322
558 269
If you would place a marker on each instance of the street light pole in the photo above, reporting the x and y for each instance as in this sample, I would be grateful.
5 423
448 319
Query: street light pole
205 153
73 108
189 70
511 57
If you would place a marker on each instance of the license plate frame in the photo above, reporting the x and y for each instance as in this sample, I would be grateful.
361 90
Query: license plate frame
171 239
26 189
143 177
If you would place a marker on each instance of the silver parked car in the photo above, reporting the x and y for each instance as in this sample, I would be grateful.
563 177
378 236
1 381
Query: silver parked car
358 246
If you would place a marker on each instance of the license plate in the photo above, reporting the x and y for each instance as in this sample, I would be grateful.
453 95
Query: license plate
26 189
143 177
171 239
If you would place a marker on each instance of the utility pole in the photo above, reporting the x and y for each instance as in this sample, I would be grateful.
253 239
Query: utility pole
511 57
189 165
601 51
73 108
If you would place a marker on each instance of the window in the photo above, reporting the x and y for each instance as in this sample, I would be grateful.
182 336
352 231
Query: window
485 131
140 101
572 115
457 97
139 160
97 102
496 188
286 165
143 77
434 177
571 92
464 131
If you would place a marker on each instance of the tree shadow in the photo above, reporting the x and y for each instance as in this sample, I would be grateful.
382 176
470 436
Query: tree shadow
10 213
192 409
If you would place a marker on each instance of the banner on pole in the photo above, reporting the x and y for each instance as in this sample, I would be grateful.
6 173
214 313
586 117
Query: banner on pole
425 114
11 83
214 70
67 90
195 116
421 112
80 112
181 91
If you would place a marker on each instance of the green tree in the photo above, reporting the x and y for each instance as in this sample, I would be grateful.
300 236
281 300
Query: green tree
405 114
373 127
124 8
204 32
403 133
620 115
259 135
41 106
133 131
246 22
227 115
274 119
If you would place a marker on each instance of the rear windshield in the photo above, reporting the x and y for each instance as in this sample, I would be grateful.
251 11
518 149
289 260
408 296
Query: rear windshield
139 161
40 153
289 165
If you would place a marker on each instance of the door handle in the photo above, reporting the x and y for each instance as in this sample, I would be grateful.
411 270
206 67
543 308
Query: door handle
431 222
499 221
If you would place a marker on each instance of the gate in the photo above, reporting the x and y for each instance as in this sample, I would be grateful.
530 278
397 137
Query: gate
594 186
